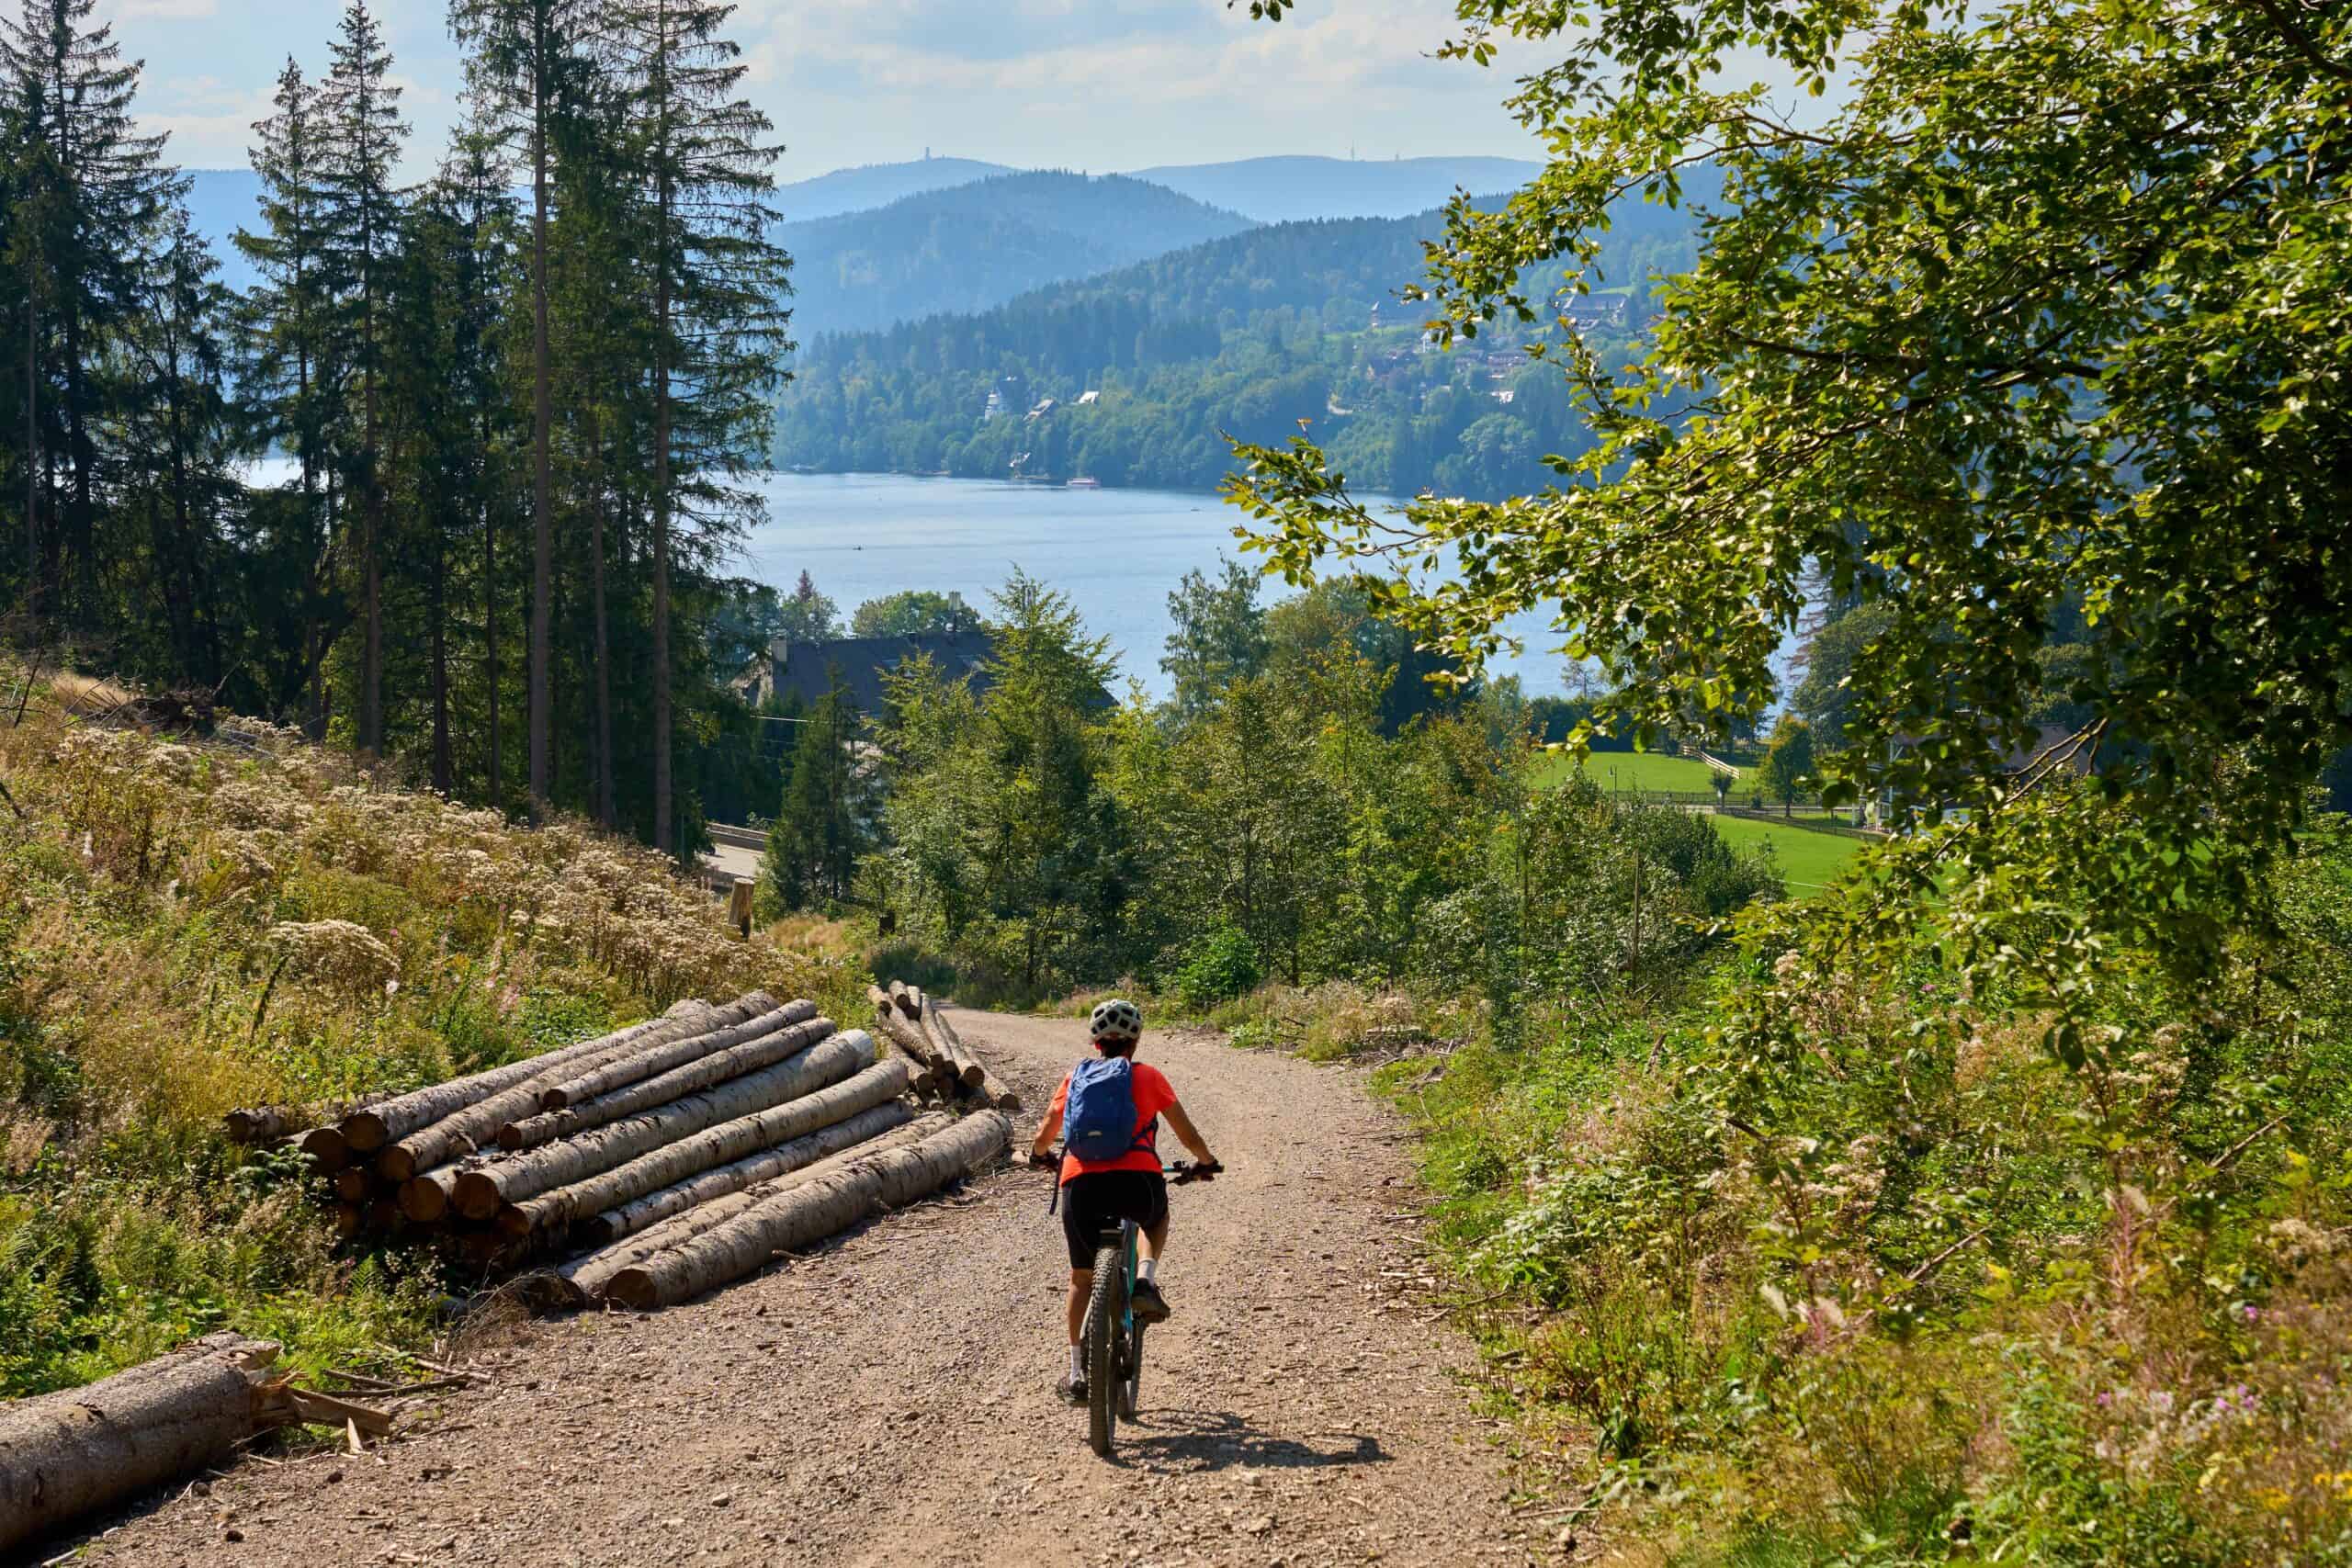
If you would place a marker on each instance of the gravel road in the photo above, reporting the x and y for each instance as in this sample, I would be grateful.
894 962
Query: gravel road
888 1399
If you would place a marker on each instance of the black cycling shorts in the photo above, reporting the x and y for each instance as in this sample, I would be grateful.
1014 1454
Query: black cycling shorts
1097 1203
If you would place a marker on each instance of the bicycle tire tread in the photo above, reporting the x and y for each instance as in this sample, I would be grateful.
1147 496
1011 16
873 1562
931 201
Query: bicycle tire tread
1103 1349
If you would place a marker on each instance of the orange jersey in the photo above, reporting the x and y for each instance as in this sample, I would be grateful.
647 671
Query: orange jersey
1153 1095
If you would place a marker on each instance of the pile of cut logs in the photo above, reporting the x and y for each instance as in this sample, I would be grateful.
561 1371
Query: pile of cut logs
943 1070
650 1164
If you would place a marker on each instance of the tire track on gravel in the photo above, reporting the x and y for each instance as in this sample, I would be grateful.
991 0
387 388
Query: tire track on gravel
888 1399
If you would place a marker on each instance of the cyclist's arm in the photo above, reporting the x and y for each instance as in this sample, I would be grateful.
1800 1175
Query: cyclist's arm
1188 1135
1048 1130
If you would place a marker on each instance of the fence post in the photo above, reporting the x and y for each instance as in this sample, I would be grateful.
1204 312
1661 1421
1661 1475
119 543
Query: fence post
739 906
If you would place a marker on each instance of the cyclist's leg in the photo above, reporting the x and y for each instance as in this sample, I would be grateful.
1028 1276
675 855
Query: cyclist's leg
1150 1306
1081 1289
1078 1228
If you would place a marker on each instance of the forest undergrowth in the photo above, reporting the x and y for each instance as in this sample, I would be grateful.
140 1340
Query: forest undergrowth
1904 1288
189 926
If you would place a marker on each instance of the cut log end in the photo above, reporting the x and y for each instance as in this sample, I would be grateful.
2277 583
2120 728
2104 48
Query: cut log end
475 1195
328 1148
423 1199
365 1132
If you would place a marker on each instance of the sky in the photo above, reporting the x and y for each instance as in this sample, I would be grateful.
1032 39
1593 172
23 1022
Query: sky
1094 84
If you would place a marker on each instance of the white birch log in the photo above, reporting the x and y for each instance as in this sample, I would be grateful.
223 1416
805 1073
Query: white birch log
699 1073
582 1280
810 1213
476 1126
613 1164
618 1072
370 1127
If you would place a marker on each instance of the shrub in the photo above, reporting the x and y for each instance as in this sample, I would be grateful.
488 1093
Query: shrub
1221 966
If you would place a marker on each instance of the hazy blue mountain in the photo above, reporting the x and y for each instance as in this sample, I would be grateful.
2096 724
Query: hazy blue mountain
219 202
971 246
1279 190
875 185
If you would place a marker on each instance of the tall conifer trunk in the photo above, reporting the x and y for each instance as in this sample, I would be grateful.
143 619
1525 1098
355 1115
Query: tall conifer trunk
32 459
541 719
604 813
665 832
490 633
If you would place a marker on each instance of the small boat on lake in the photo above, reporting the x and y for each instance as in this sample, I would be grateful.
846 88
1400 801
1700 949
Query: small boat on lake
1082 482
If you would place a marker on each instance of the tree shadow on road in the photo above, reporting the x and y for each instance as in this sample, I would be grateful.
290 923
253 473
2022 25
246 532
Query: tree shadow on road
1192 1441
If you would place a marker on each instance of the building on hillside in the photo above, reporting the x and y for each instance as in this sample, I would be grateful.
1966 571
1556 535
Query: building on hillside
2053 749
804 670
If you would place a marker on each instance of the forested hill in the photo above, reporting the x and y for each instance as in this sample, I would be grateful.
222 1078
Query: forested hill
971 246
1283 189
875 185
1244 337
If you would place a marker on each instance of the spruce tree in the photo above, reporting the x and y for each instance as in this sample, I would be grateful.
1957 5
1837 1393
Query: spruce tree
175 477
92 193
818 833
288 375
528 66
718 282
472 192
359 217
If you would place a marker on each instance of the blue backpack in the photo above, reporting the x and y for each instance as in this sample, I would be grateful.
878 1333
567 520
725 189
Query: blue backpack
1098 1119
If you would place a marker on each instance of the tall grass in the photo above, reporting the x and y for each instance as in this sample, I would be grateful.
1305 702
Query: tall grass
187 928
1912 1292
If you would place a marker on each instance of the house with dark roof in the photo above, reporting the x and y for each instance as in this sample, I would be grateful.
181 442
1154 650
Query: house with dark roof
804 670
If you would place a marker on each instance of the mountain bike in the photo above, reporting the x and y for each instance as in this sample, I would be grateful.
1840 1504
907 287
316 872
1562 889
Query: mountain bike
1111 1348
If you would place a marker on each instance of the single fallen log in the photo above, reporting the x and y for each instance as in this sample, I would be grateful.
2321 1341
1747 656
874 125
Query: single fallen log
698 1073
354 1184
991 1090
62 1455
994 1092
810 1213
910 1000
348 1219
477 1125
585 1279
372 1127
831 1095
897 989
261 1124
880 998
613 1074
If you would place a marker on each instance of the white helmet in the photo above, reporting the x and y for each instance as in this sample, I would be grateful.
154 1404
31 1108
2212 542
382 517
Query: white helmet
1117 1022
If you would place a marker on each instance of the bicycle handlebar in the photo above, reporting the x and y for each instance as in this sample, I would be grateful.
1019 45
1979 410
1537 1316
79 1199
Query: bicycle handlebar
1183 1170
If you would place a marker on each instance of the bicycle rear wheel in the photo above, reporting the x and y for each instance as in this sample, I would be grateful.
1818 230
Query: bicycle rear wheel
1103 1312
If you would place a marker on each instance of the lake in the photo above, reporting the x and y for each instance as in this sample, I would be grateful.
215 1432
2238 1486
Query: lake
1117 553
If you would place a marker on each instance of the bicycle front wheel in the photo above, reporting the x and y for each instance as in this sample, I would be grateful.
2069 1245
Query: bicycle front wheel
1103 1312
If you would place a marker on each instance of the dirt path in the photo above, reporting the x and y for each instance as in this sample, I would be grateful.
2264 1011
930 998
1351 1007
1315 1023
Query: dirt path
888 1399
